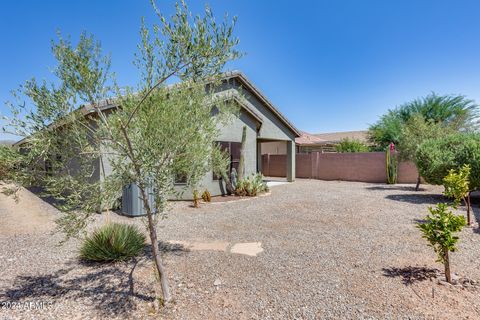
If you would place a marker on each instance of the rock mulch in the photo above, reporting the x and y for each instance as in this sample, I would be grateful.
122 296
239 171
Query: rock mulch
332 250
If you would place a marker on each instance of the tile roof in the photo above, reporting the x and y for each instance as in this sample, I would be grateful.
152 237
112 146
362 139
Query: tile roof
335 137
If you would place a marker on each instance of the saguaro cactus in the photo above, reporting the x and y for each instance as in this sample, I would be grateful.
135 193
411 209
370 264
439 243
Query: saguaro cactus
241 163
391 164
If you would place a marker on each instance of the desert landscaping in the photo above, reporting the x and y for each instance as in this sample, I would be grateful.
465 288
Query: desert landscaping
330 250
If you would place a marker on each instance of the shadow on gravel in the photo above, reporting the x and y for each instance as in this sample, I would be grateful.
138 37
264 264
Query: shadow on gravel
410 275
395 187
476 217
108 287
417 198
167 247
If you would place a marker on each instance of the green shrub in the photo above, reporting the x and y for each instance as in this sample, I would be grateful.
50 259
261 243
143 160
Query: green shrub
251 186
351 145
436 157
457 186
113 242
8 159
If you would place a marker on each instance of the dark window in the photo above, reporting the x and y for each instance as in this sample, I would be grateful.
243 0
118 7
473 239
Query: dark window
233 149
180 178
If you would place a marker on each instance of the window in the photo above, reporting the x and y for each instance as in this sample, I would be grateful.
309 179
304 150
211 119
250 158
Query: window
233 149
180 178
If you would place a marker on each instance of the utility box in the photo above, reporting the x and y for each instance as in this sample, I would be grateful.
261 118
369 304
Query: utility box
132 203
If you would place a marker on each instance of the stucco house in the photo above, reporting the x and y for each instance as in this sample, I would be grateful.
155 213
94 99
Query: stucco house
264 124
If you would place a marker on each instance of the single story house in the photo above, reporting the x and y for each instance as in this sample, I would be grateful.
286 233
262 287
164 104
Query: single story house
320 142
263 121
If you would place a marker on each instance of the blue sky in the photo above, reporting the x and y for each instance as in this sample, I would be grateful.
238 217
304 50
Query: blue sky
327 65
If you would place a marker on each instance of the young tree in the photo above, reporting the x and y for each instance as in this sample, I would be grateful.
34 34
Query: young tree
457 186
155 133
439 229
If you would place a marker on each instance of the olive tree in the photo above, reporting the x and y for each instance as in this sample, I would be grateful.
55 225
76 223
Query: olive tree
155 132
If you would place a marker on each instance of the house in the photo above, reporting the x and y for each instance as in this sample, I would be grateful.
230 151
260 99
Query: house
320 142
264 124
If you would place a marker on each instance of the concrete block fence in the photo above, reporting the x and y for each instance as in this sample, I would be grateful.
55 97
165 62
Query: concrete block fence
359 166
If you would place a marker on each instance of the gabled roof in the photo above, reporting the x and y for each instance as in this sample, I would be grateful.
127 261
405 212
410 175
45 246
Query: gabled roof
243 80
309 139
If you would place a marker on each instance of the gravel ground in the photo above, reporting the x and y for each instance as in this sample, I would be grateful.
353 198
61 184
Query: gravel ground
332 250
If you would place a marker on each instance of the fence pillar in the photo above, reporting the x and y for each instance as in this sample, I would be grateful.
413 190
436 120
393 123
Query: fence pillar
291 161
259 158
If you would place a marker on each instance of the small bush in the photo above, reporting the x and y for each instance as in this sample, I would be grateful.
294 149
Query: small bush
206 196
113 242
196 198
251 186
351 145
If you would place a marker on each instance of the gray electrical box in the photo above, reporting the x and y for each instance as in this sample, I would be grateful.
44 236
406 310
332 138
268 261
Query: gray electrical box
132 203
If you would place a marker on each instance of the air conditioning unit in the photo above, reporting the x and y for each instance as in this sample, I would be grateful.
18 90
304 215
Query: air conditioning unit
132 203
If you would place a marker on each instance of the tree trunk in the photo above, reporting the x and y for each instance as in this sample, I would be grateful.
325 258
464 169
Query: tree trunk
446 263
241 162
228 184
157 258
418 183
469 215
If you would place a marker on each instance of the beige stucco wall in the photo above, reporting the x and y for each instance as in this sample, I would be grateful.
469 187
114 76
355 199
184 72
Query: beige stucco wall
277 147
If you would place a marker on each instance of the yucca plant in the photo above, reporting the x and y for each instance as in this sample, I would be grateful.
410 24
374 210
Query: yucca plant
113 242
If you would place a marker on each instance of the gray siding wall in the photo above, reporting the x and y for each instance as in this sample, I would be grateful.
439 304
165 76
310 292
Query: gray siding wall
272 128
232 133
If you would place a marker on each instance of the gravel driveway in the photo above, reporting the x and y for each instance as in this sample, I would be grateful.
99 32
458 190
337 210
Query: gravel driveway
331 250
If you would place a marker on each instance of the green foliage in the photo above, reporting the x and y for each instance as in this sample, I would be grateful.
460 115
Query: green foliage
457 184
439 229
206 196
351 145
8 161
386 130
113 242
391 165
455 112
415 131
251 186
436 157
